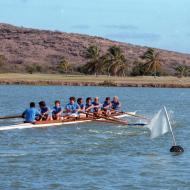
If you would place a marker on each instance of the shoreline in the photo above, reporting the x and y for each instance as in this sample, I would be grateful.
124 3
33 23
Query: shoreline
91 80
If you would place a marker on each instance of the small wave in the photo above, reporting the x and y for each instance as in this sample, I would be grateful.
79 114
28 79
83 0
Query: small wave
12 154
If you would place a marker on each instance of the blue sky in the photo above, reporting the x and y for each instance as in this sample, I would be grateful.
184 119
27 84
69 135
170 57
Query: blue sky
156 23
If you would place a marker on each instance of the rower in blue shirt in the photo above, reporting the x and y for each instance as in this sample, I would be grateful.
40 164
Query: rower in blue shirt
97 105
57 111
45 111
107 106
116 105
88 106
72 107
81 104
31 114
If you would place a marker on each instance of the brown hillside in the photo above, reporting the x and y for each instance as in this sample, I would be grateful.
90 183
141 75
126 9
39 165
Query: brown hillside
24 46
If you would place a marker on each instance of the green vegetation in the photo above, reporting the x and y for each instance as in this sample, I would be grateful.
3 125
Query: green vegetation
64 66
182 71
33 69
112 63
147 64
152 62
93 66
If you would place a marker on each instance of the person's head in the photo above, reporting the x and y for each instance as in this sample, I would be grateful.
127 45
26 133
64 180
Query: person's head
72 100
88 100
96 99
79 100
115 99
108 99
42 104
32 105
57 103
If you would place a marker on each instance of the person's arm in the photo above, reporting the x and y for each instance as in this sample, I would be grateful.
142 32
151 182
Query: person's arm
60 112
46 113
106 107
90 107
67 108
76 109
83 109
37 113
24 114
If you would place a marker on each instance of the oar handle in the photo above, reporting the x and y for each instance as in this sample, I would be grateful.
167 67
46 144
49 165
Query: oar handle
11 117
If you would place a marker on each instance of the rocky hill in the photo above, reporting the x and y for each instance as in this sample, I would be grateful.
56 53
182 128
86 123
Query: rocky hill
23 46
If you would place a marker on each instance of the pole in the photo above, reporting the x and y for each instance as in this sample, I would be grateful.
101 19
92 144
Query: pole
174 141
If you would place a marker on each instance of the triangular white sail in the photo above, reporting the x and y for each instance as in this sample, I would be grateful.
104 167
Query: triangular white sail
159 124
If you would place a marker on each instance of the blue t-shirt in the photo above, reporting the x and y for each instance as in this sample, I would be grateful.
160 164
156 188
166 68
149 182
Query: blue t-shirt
87 106
96 108
116 105
30 114
56 110
82 106
44 110
72 108
107 104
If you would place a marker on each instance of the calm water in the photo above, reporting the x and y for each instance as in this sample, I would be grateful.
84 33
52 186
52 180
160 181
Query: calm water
94 155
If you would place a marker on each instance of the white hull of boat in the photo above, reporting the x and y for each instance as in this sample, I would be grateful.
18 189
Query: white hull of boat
29 125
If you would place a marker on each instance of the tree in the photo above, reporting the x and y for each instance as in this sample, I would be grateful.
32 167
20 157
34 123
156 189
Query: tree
93 55
182 70
117 64
64 66
152 61
138 69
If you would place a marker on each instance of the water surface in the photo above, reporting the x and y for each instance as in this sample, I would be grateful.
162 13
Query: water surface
94 155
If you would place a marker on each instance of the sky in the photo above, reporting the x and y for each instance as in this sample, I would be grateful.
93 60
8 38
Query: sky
156 23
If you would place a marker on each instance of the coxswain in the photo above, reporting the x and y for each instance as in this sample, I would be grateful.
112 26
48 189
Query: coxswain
57 111
116 105
45 111
30 114
72 107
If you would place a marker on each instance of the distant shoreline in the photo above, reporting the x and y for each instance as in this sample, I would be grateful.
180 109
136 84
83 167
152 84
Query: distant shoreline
91 80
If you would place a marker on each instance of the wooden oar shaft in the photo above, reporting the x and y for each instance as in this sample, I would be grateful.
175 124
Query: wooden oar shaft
135 115
11 117
107 118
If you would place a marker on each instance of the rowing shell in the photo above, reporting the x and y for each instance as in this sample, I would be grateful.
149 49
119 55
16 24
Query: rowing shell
54 123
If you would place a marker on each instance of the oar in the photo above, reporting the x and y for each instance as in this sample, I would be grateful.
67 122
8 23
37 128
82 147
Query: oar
11 117
115 120
136 115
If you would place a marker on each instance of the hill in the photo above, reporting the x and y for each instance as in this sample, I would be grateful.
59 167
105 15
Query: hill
22 47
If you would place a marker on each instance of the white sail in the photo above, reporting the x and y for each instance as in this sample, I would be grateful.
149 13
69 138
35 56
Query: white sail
159 124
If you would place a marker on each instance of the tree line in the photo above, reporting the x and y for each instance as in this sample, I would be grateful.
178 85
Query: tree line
112 63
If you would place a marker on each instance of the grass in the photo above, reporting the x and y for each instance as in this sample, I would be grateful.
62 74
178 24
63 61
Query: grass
141 80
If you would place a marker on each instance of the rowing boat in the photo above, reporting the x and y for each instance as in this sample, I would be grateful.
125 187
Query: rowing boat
59 123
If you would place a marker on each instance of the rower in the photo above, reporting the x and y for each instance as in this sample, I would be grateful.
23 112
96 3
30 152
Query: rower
30 114
116 105
82 108
88 106
57 111
44 110
81 104
107 106
72 107
97 106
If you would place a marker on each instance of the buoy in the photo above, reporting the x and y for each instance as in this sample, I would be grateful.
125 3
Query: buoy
176 149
